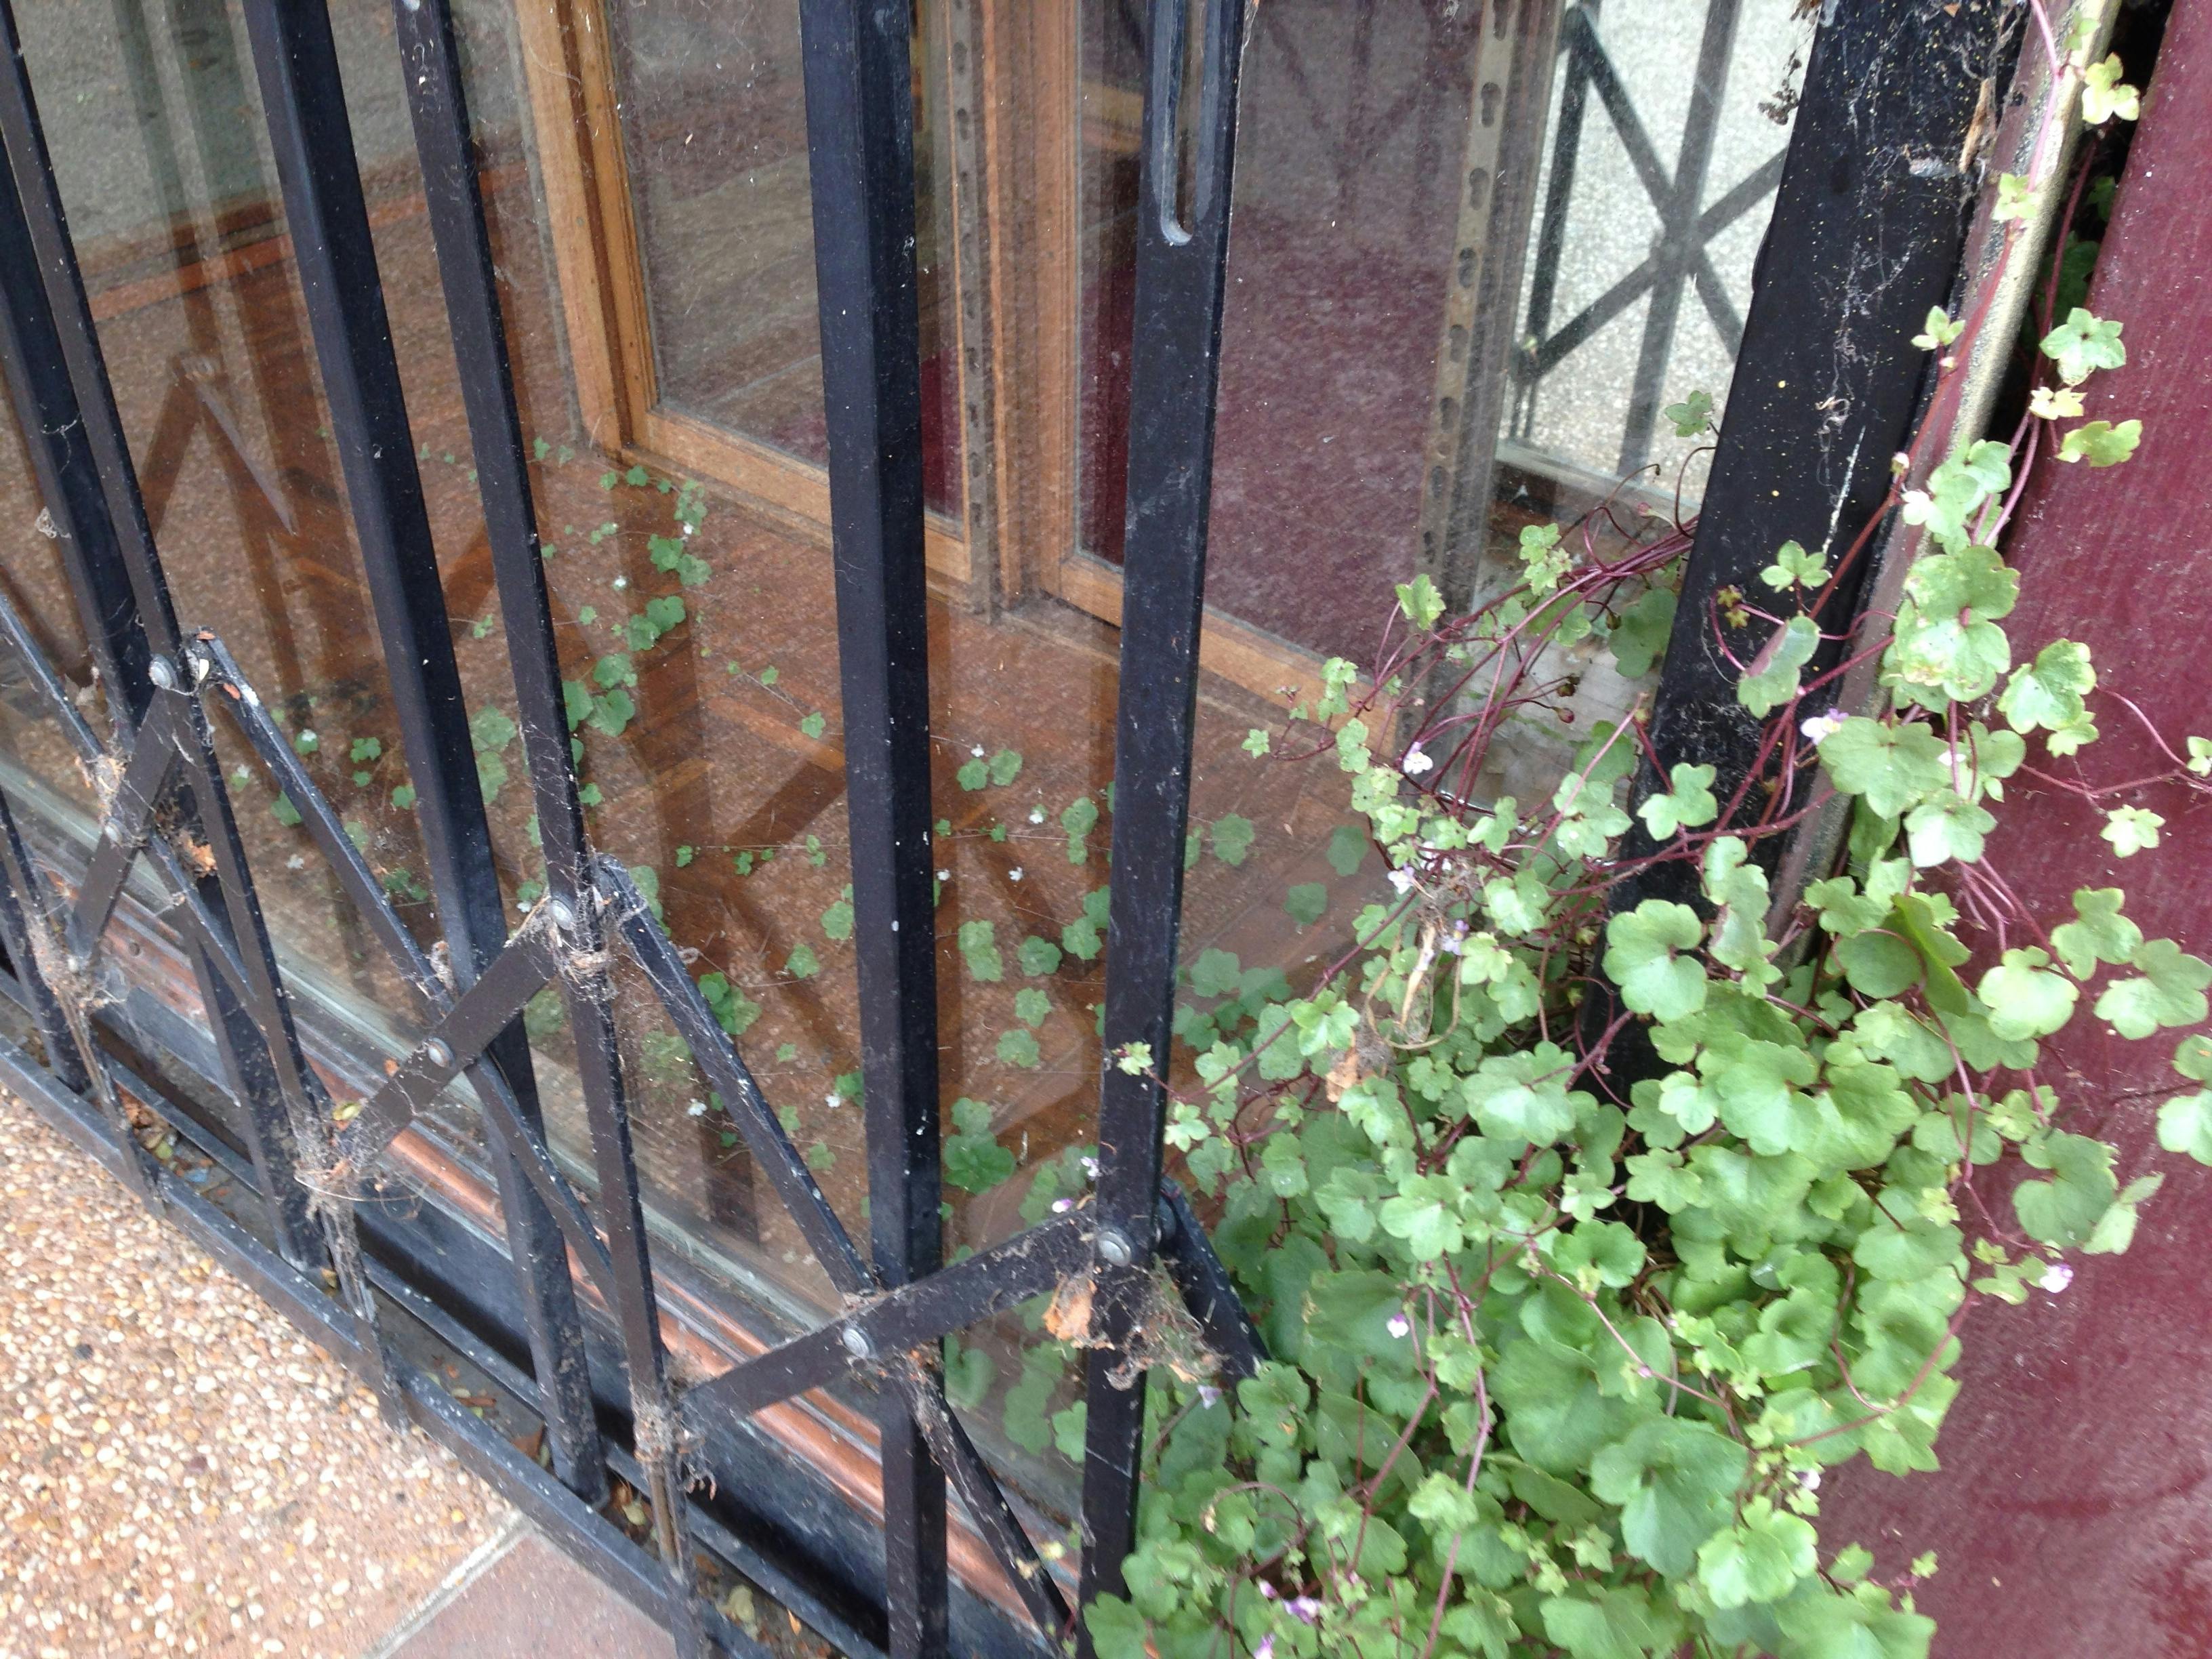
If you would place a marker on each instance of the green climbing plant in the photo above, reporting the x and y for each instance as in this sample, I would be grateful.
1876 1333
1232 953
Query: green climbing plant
1587 1233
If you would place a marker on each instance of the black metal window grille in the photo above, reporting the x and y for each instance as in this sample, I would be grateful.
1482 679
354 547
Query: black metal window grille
1873 99
175 682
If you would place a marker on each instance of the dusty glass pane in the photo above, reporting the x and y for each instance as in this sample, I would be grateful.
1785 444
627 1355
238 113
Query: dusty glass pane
1351 119
1385 289
153 120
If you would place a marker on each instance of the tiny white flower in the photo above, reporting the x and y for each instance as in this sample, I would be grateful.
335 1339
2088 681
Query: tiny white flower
1401 1325
945 875
1416 761
1402 880
697 1109
1208 1394
1267 1591
688 528
833 1098
1304 1609
1091 1168
1822 726
1062 1205
2056 1277
1037 815
1014 874
977 752
1809 1480
621 582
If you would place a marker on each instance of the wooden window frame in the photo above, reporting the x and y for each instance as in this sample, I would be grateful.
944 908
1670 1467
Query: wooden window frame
569 59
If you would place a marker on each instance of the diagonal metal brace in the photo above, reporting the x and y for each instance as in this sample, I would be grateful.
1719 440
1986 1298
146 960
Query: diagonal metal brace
146 778
188 910
923 1390
1206 1287
909 1317
731 1078
524 966
218 675
217 670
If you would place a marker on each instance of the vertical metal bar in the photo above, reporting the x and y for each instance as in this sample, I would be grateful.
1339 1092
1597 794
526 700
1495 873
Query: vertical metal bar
1679 244
105 564
1579 34
301 1139
69 478
296 61
1181 262
1884 78
859 123
1510 59
574 904
588 991
438 101
572 901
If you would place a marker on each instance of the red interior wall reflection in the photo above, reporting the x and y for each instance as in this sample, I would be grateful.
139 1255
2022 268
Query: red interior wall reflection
1351 119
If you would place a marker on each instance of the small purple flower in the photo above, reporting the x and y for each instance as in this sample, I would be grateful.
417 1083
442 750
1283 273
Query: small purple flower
1208 1394
1266 1648
1305 1609
1062 1205
1401 1325
1266 1591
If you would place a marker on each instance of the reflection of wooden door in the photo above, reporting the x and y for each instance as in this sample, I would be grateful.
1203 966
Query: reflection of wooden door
672 142
684 243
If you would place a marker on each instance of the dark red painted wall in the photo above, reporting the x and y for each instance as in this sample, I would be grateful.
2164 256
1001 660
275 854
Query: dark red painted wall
2073 1515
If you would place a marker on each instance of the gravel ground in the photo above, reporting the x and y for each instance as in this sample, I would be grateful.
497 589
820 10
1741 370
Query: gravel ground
179 1472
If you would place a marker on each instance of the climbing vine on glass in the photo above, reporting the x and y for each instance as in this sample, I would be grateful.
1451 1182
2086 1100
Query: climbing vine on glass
1586 1236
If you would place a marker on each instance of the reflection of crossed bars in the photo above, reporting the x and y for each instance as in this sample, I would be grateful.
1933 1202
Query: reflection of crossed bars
198 396
1678 254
